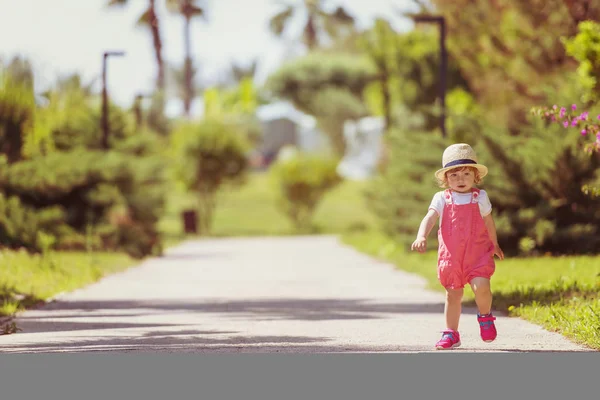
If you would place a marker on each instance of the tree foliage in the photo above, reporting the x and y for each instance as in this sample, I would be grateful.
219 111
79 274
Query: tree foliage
17 115
55 180
207 157
327 86
535 183
319 22
585 48
401 194
510 52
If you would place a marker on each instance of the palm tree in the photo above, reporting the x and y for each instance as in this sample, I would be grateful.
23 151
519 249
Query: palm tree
177 87
239 72
149 19
318 21
188 9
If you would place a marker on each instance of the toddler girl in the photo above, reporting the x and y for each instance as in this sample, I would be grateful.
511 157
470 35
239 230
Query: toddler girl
467 240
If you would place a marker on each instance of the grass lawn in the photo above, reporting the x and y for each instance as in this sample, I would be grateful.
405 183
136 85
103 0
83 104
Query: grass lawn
251 210
26 280
559 293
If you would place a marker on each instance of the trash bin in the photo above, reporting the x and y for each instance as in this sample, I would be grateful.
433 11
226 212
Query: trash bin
190 221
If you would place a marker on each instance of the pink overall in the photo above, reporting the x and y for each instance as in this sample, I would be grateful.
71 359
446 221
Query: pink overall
465 248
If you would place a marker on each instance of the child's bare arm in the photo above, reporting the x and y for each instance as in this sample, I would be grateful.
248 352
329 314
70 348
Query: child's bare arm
420 243
491 228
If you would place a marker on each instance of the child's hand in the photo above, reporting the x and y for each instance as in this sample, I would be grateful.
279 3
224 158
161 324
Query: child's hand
498 252
419 245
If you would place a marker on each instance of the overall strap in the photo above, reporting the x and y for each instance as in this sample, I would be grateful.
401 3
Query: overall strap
475 195
448 196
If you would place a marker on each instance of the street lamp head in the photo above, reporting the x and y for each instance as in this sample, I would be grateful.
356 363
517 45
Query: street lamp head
114 53
104 120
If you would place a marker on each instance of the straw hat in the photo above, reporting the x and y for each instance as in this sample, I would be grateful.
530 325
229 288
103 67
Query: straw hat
460 155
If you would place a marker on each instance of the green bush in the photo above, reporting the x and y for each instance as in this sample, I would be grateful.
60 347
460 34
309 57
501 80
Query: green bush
535 183
53 167
302 181
535 186
585 48
23 227
206 157
400 196
110 191
17 108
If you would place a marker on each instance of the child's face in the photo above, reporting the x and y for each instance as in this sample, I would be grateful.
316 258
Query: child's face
461 179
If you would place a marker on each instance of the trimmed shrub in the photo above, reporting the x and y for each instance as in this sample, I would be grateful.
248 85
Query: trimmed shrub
21 226
208 156
302 181
109 192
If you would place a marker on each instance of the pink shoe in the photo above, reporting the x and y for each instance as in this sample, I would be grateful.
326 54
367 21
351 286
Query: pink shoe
450 339
487 328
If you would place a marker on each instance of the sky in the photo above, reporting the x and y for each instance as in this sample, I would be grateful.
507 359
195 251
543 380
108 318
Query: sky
65 36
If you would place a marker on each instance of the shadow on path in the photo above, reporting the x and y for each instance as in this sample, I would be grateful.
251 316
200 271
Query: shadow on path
185 340
275 309
126 333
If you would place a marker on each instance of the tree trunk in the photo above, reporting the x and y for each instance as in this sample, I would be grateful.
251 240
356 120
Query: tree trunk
206 209
157 42
189 85
311 32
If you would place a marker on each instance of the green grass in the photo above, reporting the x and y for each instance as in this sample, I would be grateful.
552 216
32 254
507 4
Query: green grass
559 293
26 280
251 210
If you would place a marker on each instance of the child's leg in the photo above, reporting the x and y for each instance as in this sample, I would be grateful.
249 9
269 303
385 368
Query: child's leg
483 294
453 307
483 298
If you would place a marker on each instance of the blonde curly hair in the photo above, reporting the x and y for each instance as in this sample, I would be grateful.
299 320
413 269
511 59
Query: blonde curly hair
443 183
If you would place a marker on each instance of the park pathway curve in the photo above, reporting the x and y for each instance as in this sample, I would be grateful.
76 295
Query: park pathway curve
283 294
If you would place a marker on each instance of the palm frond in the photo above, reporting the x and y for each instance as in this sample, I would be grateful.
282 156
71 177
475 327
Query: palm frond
195 11
278 22
187 8
117 2
341 16
173 5
145 19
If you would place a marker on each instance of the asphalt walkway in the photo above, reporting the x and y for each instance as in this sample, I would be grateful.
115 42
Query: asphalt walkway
285 294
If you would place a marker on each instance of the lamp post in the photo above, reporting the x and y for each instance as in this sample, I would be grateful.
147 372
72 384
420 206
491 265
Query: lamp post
137 109
441 23
105 123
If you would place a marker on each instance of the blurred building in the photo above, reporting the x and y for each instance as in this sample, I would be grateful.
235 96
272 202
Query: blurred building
363 147
283 125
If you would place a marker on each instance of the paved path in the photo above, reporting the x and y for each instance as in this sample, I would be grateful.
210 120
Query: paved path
294 294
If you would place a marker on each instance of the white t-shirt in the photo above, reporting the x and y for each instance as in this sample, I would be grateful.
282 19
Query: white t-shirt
437 203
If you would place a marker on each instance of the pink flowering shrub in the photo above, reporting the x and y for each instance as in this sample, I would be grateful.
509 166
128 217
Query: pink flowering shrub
571 118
